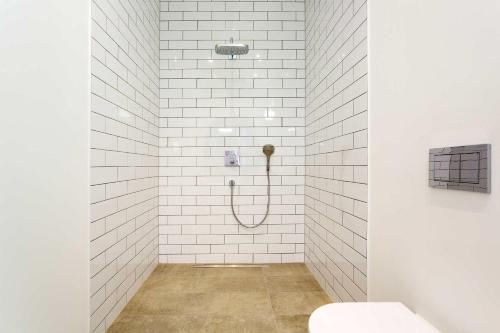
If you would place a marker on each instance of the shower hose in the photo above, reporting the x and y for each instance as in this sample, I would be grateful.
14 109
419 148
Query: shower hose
232 184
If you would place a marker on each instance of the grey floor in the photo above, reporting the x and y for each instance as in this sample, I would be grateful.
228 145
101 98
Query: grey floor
182 298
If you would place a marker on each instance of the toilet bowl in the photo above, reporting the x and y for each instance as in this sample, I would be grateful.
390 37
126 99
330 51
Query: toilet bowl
371 317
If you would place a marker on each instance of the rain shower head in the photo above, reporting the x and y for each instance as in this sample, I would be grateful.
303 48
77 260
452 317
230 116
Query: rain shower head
231 48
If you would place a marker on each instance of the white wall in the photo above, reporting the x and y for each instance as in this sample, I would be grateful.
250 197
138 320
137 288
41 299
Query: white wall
44 131
210 104
434 80
336 146
124 153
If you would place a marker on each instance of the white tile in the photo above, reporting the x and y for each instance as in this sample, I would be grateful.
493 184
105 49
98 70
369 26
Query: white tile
336 93
129 142
209 104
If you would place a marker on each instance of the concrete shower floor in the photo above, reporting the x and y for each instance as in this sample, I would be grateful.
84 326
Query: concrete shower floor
182 298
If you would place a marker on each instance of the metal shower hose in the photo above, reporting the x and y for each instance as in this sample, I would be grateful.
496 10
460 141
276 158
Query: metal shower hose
231 185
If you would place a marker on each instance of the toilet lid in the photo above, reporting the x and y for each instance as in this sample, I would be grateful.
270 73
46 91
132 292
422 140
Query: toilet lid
371 317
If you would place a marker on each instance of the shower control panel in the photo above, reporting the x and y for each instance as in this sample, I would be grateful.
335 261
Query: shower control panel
465 168
232 158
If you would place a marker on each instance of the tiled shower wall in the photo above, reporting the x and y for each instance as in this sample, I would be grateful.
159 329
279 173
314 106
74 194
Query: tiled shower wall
210 104
336 146
124 154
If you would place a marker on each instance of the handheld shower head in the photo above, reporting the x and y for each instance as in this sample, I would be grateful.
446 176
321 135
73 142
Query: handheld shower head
268 150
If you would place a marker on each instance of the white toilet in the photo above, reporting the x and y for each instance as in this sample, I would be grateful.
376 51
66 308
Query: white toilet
368 317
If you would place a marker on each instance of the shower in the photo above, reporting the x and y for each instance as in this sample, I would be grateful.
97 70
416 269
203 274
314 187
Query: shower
231 48
268 150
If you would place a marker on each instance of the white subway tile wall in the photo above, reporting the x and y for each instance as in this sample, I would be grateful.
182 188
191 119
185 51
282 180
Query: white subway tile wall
210 104
124 153
336 146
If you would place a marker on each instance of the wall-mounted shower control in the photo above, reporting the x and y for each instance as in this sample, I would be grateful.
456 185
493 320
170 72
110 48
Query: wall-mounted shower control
465 168
232 158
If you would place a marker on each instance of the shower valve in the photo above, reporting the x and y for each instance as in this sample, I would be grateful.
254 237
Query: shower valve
232 158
